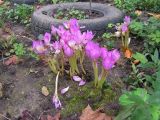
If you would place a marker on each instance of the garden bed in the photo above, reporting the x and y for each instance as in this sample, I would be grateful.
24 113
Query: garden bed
27 84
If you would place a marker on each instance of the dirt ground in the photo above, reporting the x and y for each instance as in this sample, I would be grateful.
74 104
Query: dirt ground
22 98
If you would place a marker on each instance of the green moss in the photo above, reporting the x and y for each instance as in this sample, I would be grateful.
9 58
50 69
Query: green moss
82 96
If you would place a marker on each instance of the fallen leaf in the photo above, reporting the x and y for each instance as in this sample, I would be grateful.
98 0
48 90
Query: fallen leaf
12 60
138 12
1 2
56 117
156 15
128 53
89 114
45 91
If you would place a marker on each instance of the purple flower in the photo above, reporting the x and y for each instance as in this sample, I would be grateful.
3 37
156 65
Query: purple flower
110 59
64 90
47 38
124 27
127 20
54 30
73 24
57 47
92 50
104 52
38 47
89 35
56 102
68 51
115 55
60 30
108 63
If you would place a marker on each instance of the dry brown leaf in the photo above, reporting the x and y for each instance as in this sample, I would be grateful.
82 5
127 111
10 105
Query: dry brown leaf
56 117
89 114
12 60
156 15
1 2
128 53
45 91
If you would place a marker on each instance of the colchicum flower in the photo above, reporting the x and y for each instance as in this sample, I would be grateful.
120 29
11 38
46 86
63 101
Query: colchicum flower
55 98
38 47
47 38
72 45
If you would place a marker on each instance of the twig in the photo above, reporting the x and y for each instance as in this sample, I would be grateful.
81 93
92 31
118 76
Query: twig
5 58
24 37
5 117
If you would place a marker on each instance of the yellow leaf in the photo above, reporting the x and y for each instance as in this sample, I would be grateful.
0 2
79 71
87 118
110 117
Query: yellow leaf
45 91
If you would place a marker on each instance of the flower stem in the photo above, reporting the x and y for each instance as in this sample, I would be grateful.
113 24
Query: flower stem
56 85
81 62
102 78
95 68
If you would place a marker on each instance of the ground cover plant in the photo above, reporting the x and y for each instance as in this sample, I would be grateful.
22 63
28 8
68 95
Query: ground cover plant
72 74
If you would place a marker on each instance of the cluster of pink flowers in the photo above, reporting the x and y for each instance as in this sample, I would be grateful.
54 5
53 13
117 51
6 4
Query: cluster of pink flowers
69 43
95 52
69 36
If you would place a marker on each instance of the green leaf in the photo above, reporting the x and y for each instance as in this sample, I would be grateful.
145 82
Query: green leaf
142 58
138 96
124 114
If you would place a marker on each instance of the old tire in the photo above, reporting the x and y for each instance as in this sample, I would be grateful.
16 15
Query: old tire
25 1
41 22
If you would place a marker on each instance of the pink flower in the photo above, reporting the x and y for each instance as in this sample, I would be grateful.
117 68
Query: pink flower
115 55
127 20
47 38
104 52
124 27
92 50
110 59
108 63
68 51
64 90
57 47
56 102
38 47
73 23
54 30
89 35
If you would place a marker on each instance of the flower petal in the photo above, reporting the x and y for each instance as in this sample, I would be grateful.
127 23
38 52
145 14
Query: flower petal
82 82
77 78
64 90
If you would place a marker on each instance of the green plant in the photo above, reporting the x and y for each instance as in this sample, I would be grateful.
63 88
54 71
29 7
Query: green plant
21 13
70 13
140 105
132 5
143 75
19 49
148 31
